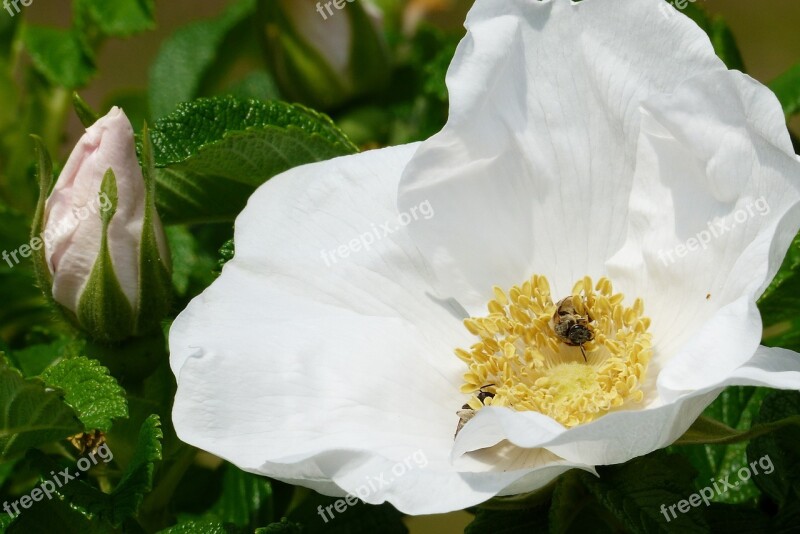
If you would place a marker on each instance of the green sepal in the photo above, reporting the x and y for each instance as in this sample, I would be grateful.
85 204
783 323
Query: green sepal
85 113
369 53
708 431
103 309
155 279
44 172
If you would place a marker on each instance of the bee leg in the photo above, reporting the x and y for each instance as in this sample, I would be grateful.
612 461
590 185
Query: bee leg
584 353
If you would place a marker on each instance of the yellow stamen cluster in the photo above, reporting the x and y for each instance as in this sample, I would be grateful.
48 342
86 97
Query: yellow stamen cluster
522 361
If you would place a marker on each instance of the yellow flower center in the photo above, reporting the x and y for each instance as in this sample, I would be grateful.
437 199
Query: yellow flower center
573 360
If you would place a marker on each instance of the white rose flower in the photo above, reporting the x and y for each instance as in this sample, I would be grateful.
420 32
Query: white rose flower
598 150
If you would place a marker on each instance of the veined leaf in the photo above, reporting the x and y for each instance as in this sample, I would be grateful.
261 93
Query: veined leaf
32 415
214 152
90 390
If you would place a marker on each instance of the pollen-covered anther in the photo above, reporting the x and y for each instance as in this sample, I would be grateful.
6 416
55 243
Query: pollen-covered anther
524 362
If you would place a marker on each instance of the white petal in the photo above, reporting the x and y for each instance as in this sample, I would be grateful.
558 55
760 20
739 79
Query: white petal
715 166
621 436
770 367
533 171
308 369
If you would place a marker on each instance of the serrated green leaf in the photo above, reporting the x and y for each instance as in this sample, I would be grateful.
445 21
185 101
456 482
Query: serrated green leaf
778 449
90 390
634 492
31 414
194 125
735 408
202 527
215 152
138 478
184 59
787 88
59 56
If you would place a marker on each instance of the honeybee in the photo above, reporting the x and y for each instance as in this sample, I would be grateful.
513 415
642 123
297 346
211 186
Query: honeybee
466 413
571 327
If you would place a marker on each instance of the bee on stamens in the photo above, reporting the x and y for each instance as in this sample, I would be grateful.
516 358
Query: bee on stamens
571 327
466 413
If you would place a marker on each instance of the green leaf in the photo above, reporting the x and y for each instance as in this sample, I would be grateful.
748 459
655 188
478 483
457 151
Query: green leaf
184 59
23 306
32 415
54 515
573 509
720 34
634 492
214 153
509 521
195 125
226 253
188 198
120 18
202 527
34 359
787 88
284 527
59 56
246 499
8 28
780 303
733 519
718 439
124 501
258 84
354 520
192 268
779 451
93 394
138 478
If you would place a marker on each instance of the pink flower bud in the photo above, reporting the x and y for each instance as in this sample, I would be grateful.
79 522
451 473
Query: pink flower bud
73 224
